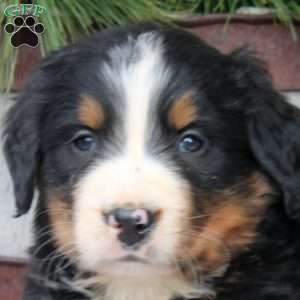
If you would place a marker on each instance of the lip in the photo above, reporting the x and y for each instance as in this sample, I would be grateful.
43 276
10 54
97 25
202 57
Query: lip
134 266
132 258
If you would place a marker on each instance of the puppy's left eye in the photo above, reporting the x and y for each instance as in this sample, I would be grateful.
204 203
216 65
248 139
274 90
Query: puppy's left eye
85 142
190 142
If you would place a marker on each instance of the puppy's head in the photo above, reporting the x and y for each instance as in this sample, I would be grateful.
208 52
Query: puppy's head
152 150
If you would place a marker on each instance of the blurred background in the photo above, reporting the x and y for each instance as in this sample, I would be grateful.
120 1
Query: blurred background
269 27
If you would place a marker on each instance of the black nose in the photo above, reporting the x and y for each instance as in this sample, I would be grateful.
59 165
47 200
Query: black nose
134 224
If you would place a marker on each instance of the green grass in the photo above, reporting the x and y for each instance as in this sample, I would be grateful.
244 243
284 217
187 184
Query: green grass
285 11
66 20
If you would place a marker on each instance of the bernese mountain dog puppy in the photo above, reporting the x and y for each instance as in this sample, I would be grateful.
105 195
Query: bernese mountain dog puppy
164 169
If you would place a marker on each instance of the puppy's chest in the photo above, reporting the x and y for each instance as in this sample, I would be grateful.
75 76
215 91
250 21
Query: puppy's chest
155 289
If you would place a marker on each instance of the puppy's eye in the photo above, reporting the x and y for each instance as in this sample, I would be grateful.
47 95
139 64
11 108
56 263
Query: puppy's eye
85 142
190 142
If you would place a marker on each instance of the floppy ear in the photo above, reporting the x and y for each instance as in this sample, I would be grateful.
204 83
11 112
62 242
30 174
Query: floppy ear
273 129
274 133
21 150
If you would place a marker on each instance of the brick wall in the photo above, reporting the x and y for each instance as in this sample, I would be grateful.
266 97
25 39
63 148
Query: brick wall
11 280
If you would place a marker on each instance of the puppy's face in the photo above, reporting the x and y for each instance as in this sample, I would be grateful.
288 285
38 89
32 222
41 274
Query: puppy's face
142 171
140 139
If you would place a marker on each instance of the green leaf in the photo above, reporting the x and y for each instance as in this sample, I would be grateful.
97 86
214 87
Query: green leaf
67 20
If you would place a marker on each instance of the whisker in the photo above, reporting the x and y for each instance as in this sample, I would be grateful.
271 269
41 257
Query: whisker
199 217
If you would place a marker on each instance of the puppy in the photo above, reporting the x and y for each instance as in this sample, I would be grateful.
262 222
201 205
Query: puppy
165 170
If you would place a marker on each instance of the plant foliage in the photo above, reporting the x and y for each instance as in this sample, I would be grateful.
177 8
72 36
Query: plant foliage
66 20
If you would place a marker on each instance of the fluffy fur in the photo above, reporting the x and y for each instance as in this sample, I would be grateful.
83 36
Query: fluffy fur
150 117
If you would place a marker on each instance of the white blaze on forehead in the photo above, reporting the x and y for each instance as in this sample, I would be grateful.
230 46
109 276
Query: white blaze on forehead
138 73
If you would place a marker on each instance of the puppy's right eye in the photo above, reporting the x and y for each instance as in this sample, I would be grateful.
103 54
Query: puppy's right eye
85 142
190 143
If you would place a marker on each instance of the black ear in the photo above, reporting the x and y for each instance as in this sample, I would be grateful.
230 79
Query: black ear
21 150
274 132
273 129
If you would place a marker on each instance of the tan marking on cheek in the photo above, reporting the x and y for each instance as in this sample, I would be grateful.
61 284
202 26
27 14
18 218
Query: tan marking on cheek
183 112
231 224
91 112
61 223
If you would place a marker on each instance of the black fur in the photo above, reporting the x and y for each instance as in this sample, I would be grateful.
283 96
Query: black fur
249 124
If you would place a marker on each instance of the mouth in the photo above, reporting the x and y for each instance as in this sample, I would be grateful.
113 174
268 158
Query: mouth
126 259
134 266
133 259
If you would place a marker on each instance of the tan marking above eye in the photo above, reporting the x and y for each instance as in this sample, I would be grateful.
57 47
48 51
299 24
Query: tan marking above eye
91 112
183 112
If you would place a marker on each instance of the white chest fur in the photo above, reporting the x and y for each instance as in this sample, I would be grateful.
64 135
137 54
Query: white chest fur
159 288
